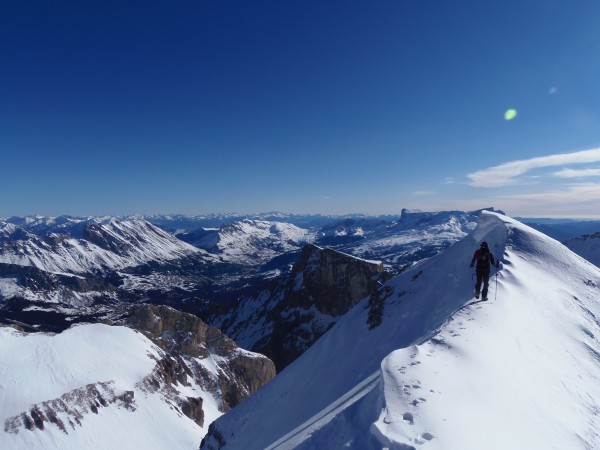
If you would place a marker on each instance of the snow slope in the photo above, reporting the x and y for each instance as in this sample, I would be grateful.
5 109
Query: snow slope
443 372
84 375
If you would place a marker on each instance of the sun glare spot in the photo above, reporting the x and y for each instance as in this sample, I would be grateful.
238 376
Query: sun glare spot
510 114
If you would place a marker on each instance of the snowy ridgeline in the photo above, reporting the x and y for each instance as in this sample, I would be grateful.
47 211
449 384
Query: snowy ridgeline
442 371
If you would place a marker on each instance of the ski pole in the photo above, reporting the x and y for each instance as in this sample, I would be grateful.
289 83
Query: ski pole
496 290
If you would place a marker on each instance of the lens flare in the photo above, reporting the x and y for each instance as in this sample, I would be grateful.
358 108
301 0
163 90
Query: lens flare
510 114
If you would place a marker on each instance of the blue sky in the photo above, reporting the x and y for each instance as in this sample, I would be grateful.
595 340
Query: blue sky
347 106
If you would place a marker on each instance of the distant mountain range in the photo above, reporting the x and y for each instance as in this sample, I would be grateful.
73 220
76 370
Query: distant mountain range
68 267
563 229
587 246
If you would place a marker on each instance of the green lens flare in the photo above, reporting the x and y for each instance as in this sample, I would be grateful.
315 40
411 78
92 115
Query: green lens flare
510 114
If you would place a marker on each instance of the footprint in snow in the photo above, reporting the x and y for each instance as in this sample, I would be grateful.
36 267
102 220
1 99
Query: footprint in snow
409 418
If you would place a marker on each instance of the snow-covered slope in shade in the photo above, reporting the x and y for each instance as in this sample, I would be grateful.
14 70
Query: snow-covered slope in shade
441 371
90 387
250 242
587 247
110 244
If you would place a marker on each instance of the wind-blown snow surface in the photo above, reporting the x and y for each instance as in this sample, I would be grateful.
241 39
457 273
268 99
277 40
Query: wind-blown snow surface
443 372
84 368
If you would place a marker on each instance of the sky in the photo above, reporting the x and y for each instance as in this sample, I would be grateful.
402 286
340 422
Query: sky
192 107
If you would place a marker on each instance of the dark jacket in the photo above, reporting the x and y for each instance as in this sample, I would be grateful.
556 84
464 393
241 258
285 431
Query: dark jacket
484 259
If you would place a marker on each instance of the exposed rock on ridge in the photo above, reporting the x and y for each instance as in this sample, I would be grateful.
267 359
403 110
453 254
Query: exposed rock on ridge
68 410
188 341
285 319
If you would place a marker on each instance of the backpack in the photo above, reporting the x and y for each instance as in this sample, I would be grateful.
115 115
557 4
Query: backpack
483 258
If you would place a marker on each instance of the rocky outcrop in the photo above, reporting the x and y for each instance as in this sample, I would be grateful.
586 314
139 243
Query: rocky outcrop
69 410
185 333
285 319
97 375
330 280
188 341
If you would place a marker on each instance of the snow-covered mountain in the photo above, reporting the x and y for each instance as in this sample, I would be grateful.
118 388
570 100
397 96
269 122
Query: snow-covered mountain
250 242
587 246
179 223
78 266
101 386
441 371
103 245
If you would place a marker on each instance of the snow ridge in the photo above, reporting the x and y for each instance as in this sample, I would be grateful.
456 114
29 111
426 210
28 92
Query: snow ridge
442 371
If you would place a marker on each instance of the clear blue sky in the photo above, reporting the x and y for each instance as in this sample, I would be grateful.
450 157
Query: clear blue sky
118 107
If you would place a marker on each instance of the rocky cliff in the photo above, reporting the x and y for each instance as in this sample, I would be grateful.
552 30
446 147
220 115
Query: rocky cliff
285 319
189 341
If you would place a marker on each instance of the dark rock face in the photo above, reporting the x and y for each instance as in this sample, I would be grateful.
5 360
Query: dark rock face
188 339
334 281
284 320
174 330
